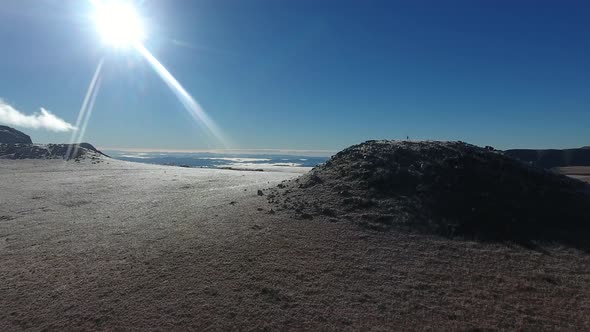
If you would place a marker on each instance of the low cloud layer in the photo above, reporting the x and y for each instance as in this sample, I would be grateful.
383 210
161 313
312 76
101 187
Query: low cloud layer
41 120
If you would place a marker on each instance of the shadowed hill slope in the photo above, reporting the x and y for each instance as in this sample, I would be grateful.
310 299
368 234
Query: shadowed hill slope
48 151
448 188
11 136
15 144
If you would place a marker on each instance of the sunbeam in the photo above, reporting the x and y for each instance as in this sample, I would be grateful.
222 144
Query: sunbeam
89 110
78 132
185 98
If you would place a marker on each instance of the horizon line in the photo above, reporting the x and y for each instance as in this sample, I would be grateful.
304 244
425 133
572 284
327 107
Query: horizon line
296 152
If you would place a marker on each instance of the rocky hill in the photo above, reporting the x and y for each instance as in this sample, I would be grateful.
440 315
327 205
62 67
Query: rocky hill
15 144
11 136
48 151
551 158
448 188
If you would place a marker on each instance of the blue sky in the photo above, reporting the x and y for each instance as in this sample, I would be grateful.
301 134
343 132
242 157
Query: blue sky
310 75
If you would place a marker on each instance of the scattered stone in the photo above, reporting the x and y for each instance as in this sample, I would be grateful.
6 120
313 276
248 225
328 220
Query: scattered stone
260 193
328 212
305 216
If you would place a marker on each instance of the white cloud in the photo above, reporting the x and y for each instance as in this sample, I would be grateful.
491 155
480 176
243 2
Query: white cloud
43 119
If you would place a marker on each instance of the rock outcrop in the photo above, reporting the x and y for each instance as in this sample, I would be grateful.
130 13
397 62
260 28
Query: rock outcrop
17 145
12 136
448 188
48 151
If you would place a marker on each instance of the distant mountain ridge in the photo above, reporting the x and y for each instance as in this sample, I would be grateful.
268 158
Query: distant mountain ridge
549 158
15 144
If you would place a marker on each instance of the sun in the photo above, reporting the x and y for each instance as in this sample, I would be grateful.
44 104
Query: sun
118 23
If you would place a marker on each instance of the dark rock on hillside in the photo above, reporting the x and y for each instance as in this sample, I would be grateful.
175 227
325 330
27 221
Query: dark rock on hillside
448 188
11 136
48 151
552 158
90 147
17 145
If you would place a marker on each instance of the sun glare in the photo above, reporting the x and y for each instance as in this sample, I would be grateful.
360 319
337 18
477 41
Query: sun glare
118 23
120 26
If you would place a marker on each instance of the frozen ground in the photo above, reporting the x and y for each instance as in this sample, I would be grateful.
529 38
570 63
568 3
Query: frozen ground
576 172
122 246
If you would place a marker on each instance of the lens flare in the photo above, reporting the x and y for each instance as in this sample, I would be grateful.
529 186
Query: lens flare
85 110
185 98
120 26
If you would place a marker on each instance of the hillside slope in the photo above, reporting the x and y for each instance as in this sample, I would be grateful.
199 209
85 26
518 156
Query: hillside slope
447 188
11 136
48 151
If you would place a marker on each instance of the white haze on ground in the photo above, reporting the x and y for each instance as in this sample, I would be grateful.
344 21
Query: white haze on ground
237 159
41 120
